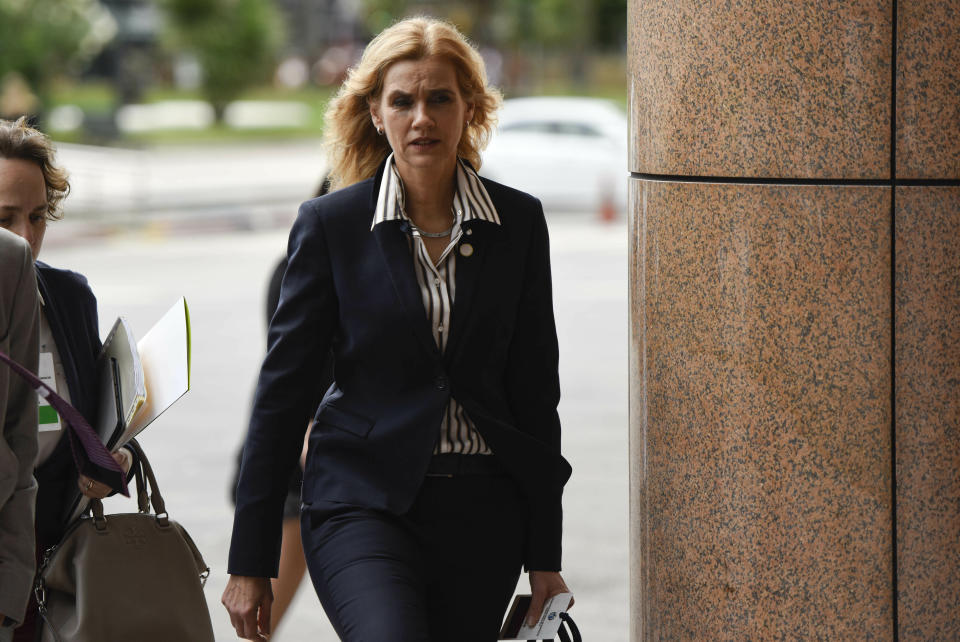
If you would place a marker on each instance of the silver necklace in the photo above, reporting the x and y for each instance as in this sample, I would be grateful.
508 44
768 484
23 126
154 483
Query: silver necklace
433 235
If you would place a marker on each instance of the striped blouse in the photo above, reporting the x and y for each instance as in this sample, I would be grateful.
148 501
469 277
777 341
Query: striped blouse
438 282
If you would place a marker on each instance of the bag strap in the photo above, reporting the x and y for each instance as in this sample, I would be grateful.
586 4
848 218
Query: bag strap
83 438
573 635
159 506
143 498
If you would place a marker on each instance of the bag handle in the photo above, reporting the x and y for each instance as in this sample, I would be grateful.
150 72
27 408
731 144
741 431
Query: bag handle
143 499
567 622
159 507
148 491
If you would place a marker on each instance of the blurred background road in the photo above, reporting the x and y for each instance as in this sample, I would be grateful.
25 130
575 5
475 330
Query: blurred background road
223 274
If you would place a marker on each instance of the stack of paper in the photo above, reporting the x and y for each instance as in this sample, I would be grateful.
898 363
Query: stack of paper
122 387
138 381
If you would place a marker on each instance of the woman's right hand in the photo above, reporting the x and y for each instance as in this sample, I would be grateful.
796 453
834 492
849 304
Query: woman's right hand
96 490
248 600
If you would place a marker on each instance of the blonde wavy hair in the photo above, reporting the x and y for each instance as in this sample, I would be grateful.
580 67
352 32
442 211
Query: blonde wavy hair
353 147
20 141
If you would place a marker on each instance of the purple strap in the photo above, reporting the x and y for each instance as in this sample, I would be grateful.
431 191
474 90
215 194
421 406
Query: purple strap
85 444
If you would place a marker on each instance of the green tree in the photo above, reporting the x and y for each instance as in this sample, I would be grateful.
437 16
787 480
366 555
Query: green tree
570 26
235 41
382 13
40 39
525 30
610 24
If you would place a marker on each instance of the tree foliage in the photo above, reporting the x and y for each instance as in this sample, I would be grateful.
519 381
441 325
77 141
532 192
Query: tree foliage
524 30
235 41
551 24
40 39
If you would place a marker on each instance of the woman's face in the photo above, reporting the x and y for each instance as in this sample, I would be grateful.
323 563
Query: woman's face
23 201
422 113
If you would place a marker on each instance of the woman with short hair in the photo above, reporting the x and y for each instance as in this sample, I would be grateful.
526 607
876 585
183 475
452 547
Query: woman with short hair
32 188
433 473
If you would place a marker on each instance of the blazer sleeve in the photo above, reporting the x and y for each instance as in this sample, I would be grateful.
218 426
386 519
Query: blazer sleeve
533 391
299 342
17 561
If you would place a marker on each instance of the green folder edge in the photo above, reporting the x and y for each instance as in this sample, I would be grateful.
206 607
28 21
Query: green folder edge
186 313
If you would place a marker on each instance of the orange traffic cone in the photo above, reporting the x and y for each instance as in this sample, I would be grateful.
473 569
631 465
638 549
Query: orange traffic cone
607 212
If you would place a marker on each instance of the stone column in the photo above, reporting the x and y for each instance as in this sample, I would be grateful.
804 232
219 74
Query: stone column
795 319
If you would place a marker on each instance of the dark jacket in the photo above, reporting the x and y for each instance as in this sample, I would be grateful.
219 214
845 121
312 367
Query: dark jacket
71 311
355 290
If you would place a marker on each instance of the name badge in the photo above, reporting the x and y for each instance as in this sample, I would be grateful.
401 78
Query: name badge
48 419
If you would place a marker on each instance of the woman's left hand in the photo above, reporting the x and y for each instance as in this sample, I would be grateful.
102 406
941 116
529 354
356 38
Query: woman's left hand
543 586
94 489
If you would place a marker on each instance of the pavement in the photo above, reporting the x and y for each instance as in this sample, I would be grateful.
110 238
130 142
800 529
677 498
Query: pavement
138 266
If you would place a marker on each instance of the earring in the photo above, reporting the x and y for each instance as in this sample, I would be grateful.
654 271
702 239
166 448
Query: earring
380 131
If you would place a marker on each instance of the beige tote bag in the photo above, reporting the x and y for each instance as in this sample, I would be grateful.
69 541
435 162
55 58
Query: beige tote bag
134 577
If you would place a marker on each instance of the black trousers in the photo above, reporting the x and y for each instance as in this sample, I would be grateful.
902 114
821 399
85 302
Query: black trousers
443 572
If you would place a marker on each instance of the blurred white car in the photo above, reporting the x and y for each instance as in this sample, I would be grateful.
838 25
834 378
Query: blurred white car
569 152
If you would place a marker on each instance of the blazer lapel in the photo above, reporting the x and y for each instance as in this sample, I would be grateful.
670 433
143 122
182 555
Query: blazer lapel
475 245
70 372
396 253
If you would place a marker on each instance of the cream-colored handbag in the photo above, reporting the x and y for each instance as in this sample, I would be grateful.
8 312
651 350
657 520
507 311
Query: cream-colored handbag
133 577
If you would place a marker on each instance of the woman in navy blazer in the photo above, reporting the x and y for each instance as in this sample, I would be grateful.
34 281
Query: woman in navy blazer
432 286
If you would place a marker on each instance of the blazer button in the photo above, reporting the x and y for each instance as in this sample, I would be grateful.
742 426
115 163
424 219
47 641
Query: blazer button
440 383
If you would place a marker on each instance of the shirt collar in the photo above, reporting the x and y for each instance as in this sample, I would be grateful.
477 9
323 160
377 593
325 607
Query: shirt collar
470 201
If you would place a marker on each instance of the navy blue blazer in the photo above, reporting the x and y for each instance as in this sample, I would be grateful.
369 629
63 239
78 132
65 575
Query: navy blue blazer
71 311
355 290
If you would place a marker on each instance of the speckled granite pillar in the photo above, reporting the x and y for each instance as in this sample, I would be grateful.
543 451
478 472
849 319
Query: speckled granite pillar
928 89
795 320
928 411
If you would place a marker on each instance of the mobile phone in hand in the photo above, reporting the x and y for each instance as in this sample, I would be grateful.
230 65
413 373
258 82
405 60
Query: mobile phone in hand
547 625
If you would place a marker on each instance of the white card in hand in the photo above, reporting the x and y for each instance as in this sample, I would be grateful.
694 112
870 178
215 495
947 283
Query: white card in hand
515 626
